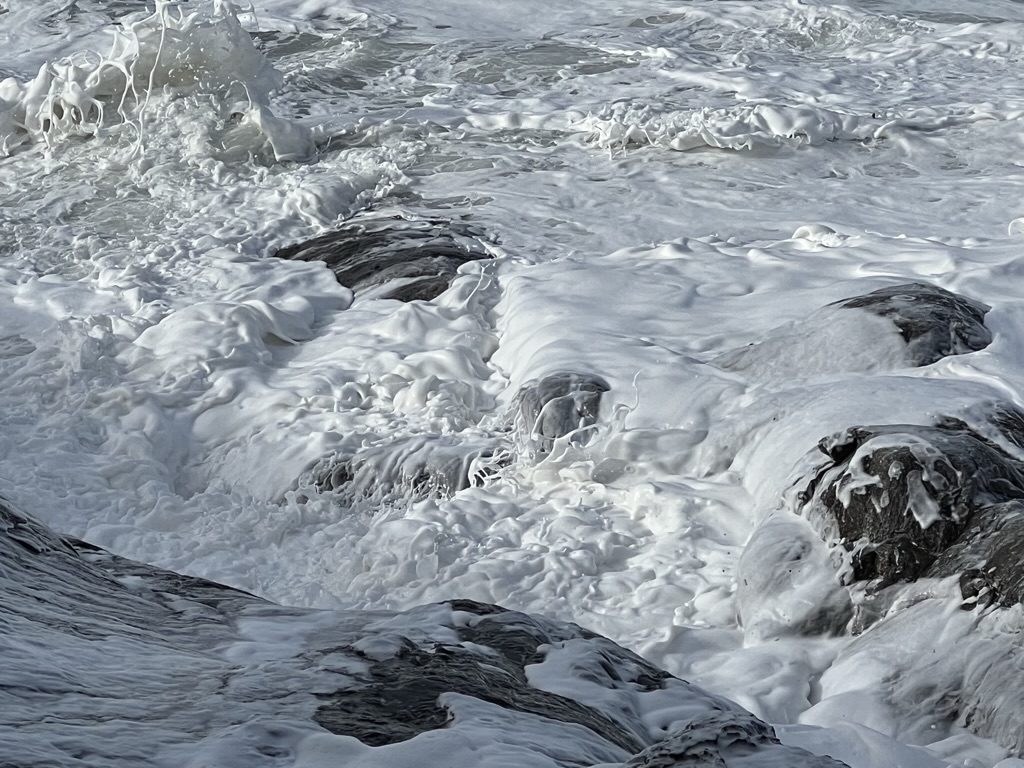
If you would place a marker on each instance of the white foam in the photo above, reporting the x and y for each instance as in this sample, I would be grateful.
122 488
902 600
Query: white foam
168 387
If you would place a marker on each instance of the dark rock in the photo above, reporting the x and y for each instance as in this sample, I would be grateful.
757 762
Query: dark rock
112 662
405 470
402 697
989 556
557 405
913 501
934 322
394 257
725 739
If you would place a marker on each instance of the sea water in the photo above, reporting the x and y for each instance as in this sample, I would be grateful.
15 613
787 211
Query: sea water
672 193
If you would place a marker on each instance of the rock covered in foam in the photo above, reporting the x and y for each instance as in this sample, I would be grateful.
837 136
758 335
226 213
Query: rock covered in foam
784 583
934 322
907 325
913 501
393 256
557 405
404 470
727 741
185 672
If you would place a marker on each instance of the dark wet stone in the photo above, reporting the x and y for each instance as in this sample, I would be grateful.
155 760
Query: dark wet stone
520 637
988 556
184 665
405 470
394 257
717 738
913 501
497 645
934 322
401 697
557 405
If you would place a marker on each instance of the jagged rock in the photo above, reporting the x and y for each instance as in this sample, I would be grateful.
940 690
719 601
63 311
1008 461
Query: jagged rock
115 663
989 555
557 405
394 257
913 501
402 696
934 322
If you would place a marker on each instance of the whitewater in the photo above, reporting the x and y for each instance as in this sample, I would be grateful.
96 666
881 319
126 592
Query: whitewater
668 197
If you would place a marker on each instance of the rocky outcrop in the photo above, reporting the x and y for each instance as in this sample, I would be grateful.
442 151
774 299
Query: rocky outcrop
720 739
934 322
394 257
902 326
913 501
189 671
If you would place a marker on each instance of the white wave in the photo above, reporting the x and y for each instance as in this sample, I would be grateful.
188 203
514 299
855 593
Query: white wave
744 127
170 52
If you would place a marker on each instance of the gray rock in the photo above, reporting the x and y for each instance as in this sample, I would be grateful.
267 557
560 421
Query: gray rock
394 257
727 740
404 470
557 405
115 663
934 322
913 501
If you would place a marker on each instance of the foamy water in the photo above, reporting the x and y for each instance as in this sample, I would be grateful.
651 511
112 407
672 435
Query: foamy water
672 193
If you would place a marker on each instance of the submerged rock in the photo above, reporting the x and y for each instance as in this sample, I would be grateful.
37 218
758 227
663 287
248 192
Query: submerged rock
912 501
934 322
394 257
557 405
720 739
908 325
406 470
115 663
785 584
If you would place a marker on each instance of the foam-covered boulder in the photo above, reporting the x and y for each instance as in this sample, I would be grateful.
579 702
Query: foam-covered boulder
403 470
934 322
557 405
902 326
394 256
786 584
910 501
724 740
111 662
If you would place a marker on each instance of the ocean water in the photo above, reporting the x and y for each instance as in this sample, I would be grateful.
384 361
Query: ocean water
672 193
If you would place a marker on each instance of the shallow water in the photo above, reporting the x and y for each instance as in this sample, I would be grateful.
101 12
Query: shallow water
661 184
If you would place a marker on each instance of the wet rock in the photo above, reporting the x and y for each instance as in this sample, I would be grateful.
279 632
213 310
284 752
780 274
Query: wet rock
557 405
394 257
934 322
989 556
912 501
727 740
406 470
902 326
193 671
404 695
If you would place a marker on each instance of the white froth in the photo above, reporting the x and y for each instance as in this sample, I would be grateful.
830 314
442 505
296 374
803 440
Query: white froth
170 389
